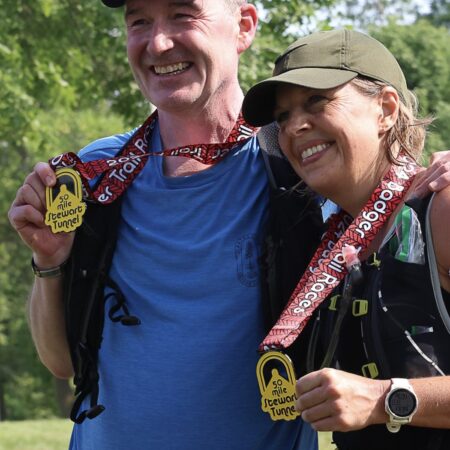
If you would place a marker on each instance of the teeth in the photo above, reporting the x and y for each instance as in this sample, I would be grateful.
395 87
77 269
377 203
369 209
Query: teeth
312 150
171 68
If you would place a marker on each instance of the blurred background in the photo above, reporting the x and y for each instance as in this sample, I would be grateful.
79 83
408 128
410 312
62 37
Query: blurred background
64 81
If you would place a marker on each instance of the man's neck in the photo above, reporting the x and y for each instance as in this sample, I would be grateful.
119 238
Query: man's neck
210 125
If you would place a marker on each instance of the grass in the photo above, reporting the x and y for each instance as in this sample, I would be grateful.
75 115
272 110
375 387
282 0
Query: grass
325 441
54 434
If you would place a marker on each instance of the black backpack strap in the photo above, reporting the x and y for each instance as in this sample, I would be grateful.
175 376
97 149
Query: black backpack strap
86 275
294 228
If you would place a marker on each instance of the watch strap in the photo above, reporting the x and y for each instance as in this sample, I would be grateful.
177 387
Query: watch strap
48 273
395 422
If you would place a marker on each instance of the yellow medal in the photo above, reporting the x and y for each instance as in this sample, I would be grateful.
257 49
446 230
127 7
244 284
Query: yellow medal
65 206
276 380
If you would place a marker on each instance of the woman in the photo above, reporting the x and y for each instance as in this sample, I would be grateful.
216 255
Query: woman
347 126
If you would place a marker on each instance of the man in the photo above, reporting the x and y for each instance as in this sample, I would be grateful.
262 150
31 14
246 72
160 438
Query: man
187 252
186 258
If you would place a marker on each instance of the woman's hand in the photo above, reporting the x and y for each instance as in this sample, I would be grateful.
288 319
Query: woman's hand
334 400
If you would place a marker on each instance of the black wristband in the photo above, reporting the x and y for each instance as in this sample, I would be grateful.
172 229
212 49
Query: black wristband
47 273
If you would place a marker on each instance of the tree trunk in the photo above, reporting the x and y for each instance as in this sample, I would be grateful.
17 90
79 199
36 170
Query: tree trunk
64 396
2 404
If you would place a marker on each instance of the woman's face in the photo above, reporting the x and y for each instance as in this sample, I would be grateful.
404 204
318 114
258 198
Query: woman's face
331 137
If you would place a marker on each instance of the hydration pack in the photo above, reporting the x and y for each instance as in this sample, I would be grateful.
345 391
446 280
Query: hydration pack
295 226
396 325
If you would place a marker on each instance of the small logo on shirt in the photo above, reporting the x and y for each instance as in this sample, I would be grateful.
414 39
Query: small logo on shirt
247 255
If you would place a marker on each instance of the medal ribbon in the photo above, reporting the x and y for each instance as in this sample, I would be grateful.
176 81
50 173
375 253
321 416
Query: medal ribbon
327 267
118 172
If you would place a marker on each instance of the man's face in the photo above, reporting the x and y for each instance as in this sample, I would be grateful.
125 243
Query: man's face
183 53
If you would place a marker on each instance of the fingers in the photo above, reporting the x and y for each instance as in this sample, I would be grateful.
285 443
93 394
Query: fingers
435 178
32 191
334 400
28 208
313 392
23 215
27 216
326 400
440 156
310 388
309 381
320 407
443 177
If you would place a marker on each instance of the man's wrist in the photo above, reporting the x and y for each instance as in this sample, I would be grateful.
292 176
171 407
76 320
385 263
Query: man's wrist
51 272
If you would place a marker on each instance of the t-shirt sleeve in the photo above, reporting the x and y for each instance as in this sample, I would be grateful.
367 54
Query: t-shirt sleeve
105 147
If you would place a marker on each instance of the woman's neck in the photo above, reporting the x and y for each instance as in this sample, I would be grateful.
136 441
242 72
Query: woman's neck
355 195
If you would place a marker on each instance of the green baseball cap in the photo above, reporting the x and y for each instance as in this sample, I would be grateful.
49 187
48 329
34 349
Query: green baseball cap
325 60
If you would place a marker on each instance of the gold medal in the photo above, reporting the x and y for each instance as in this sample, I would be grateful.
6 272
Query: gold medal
65 206
276 380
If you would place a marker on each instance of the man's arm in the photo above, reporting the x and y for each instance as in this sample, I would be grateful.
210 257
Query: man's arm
47 325
45 309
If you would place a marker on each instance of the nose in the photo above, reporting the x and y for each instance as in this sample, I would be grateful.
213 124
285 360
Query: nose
160 39
297 123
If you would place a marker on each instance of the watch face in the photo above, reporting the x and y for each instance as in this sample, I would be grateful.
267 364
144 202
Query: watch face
402 402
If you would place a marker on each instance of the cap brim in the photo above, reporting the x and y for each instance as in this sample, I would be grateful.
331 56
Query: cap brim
259 102
113 3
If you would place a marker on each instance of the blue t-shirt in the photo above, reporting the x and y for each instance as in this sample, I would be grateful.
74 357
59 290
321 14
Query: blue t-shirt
187 262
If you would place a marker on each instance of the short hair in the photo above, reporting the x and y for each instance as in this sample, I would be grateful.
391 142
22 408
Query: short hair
235 3
409 131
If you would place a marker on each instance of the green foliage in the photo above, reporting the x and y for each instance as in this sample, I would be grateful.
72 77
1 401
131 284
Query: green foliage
440 13
426 64
65 81
27 384
361 14
60 61
280 23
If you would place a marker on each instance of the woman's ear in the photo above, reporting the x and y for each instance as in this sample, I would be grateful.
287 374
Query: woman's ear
247 26
390 105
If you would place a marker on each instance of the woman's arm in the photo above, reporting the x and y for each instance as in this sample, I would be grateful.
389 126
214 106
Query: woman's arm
334 400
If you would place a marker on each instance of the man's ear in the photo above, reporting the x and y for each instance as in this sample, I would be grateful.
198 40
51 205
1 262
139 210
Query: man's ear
247 26
389 105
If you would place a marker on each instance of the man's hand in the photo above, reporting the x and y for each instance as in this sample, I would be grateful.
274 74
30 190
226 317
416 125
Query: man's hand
436 177
27 215
334 400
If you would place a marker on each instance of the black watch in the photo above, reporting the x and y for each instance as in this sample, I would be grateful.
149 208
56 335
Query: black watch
48 273
400 404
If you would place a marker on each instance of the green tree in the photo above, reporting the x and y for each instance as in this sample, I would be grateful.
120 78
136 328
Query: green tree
59 61
65 81
440 13
423 52
281 22
364 13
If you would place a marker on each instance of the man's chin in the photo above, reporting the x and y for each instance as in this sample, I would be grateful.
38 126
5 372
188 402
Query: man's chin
176 102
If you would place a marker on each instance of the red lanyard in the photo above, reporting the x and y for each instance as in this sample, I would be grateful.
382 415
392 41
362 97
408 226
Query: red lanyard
327 267
118 172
